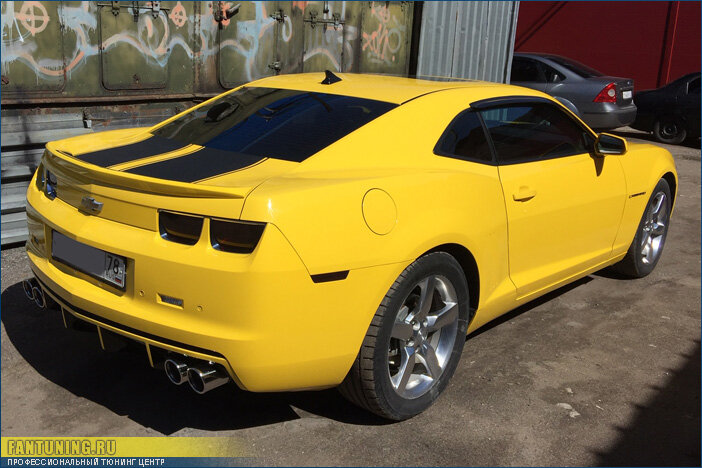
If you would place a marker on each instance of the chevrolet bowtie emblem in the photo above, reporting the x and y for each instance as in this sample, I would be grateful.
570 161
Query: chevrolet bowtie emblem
90 205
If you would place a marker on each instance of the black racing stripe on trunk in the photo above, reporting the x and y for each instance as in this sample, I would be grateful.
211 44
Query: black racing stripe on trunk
122 154
202 164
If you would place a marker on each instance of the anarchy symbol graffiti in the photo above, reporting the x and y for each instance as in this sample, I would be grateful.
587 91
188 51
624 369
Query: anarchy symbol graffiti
33 16
178 15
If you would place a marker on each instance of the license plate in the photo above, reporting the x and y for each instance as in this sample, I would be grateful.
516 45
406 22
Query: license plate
626 94
102 265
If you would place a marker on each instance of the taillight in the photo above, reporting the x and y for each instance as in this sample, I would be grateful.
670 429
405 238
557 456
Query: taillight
235 236
608 94
181 228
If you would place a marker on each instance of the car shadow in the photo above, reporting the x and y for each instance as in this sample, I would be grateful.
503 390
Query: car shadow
124 382
524 308
665 430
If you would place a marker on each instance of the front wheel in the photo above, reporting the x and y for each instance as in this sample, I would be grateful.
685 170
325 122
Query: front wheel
414 342
647 247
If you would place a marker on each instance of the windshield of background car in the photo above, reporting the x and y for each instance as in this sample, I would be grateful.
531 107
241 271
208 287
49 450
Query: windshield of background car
576 67
274 123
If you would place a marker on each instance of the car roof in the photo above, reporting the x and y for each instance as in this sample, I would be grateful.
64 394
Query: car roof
378 87
537 55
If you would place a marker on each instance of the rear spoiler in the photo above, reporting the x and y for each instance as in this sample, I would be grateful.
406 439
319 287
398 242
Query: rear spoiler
86 173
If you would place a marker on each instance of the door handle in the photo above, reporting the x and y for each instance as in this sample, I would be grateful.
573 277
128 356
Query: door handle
524 193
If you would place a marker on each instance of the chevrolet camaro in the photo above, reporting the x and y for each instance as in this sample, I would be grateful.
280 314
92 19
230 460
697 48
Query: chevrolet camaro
319 230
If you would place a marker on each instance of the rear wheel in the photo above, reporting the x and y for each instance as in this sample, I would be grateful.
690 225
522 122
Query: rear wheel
669 130
647 247
414 342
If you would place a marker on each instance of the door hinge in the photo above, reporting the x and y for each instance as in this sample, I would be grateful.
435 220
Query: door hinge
220 14
155 8
135 11
279 16
335 20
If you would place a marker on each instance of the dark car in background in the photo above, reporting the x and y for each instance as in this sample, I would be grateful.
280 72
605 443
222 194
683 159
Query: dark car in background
603 102
671 112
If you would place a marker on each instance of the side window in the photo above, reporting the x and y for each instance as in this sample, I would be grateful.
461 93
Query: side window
694 87
526 70
531 132
465 138
552 75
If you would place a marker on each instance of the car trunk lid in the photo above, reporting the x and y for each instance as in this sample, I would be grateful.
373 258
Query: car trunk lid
624 87
92 170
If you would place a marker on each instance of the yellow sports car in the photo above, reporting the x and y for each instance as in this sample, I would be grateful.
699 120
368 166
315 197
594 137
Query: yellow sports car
319 230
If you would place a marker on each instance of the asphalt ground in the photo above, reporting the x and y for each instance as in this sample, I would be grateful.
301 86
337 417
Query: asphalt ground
601 372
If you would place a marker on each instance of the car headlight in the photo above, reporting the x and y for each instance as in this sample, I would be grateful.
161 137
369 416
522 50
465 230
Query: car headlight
51 183
40 177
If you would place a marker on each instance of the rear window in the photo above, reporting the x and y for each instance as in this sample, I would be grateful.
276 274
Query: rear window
576 67
273 123
465 139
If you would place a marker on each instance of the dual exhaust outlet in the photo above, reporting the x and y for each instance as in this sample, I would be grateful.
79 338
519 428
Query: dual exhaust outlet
202 376
34 292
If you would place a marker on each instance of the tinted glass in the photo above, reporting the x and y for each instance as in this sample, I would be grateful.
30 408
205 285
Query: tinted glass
694 87
525 70
465 139
552 75
523 133
576 67
273 123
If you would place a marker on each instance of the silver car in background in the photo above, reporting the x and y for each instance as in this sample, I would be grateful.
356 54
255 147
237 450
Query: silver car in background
603 102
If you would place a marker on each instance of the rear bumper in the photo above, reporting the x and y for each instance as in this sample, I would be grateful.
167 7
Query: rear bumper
611 118
259 315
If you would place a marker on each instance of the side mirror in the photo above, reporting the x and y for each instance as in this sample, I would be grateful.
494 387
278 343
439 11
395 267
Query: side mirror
609 144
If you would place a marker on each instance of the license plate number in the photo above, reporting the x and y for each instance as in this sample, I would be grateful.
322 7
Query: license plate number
106 266
626 94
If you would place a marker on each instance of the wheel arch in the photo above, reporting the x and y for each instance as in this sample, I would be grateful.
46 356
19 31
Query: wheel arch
465 258
673 184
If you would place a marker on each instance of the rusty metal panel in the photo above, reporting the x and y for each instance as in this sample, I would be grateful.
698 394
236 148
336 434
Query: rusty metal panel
289 33
324 36
131 40
385 37
247 42
471 40
32 47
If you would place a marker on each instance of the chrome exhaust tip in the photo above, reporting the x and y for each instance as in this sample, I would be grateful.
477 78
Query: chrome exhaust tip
176 371
28 287
202 381
39 298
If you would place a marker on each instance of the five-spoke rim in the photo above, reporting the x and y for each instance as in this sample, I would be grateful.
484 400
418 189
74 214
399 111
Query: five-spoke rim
423 336
654 228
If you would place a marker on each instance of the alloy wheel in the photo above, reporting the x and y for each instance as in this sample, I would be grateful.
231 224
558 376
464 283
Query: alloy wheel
654 228
423 336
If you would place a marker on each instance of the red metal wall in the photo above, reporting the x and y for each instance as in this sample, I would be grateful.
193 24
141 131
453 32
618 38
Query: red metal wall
651 42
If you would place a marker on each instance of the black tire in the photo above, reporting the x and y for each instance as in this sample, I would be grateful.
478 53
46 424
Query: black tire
669 130
635 264
369 383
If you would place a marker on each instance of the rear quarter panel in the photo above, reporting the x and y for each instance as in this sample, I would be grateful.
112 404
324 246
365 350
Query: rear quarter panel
438 200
